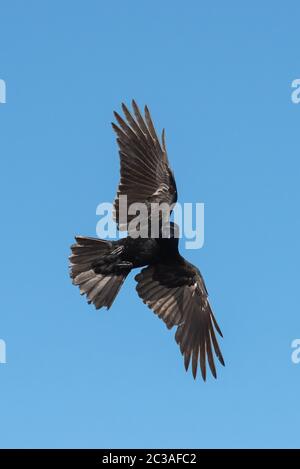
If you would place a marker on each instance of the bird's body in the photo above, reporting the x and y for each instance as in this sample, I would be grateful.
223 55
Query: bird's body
170 285
140 251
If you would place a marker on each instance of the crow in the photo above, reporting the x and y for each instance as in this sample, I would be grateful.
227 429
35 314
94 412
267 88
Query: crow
168 284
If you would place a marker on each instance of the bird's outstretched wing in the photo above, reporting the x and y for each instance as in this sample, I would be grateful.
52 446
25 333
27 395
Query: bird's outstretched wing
177 294
145 172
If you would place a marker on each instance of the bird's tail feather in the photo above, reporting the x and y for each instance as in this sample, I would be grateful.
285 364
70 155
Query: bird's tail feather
93 267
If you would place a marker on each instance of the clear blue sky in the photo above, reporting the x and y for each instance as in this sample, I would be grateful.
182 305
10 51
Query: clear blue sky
218 76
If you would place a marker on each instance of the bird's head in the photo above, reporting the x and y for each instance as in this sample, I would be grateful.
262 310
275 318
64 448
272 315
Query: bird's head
169 230
169 235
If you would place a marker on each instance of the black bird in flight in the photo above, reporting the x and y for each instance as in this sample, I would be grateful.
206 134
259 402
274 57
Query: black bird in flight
172 287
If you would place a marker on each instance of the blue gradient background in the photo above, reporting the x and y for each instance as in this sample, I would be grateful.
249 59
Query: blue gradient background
218 77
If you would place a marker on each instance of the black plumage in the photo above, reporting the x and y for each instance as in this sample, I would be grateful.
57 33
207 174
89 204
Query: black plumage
145 172
172 287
